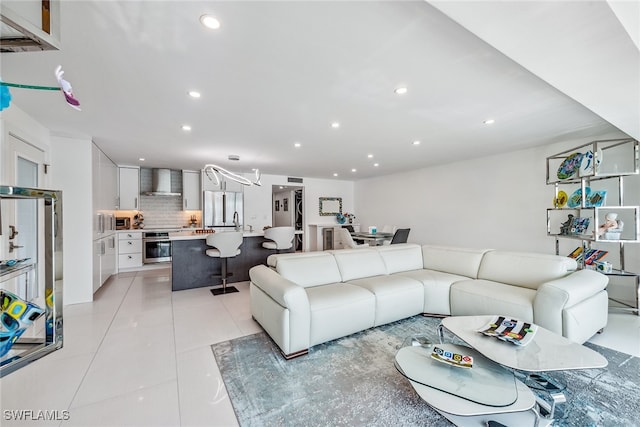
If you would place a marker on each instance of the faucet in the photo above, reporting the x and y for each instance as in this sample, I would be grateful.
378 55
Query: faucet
236 222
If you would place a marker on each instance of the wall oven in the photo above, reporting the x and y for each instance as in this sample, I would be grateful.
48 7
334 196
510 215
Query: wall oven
156 247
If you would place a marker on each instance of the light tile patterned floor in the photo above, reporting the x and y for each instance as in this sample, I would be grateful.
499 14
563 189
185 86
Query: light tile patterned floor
140 355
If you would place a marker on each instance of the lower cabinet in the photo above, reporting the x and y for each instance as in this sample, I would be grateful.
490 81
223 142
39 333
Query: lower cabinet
129 250
104 260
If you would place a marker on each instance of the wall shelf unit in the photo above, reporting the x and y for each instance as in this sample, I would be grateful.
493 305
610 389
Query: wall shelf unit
32 288
590 185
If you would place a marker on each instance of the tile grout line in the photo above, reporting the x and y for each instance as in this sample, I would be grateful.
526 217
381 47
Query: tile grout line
99 345
175 351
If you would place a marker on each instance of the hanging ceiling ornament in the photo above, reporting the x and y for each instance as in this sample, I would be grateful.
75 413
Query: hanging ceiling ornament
212 172
63 85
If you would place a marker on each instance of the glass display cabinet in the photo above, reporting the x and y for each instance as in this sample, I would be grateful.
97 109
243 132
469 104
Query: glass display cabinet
596 206
30 275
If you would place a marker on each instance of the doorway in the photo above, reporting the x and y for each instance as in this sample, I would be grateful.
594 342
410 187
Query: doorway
287 210
21 219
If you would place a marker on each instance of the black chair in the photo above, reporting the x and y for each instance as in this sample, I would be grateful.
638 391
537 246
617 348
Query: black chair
351 231
401 236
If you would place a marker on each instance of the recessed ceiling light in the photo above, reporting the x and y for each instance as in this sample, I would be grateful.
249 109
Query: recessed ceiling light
489 122
335 125
186 128
210 22
370 156
401 90
194 94
354 170
281 187
416 143
141 159
297 145
376 164
335 174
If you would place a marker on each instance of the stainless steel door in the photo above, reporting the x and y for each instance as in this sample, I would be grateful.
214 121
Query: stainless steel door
219 207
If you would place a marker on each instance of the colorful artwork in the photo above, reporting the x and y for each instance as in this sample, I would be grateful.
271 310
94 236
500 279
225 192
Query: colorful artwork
63 86
570 166
16 315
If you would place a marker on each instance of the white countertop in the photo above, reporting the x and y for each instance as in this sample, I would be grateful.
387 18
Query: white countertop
188 234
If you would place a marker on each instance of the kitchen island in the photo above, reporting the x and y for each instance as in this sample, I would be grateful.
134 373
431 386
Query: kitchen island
192 268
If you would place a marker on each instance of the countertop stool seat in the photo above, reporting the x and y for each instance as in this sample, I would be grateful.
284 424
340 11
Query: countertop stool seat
280 238
224 245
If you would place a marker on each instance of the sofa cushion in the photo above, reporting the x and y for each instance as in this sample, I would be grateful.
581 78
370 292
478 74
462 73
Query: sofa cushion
359 263
402 257
306 271
528 270
338 310
460 261
397 297
476 297
436 289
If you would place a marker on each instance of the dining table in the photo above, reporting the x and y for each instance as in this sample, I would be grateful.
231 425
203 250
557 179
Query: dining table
372 238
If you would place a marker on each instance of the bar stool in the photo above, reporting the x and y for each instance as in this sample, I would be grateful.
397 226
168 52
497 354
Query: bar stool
224 245
281 238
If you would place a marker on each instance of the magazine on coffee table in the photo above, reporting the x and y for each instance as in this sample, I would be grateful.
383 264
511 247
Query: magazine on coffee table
511 330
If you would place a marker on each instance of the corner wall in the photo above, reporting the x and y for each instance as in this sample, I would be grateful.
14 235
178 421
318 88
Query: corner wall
497 202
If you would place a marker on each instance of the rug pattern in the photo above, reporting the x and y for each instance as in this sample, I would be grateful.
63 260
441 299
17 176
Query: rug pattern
352 381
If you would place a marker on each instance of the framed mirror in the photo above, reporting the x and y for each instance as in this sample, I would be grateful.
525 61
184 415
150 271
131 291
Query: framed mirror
330 206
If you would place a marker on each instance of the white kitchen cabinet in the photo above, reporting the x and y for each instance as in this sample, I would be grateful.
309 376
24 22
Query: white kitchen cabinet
129 249
129 188
104 260
103 199
191 194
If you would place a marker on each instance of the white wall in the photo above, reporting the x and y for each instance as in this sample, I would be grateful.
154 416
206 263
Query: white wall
495 202
71 173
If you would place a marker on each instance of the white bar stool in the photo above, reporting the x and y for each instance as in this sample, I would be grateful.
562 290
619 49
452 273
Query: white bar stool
225 245
281 238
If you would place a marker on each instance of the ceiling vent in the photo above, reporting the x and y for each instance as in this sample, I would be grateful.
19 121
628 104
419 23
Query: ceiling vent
19 34
296 180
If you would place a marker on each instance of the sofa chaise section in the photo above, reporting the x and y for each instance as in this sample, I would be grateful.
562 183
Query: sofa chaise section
540 288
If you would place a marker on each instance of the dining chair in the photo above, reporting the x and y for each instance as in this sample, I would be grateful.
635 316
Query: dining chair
347 240
401 235
280 238
389 229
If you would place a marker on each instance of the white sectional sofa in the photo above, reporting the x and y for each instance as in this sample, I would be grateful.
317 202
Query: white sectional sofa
305 299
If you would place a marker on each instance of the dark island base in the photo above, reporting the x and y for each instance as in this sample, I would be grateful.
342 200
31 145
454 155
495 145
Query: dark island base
192 268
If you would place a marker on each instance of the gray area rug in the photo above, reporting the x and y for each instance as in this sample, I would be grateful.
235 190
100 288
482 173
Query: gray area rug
352 382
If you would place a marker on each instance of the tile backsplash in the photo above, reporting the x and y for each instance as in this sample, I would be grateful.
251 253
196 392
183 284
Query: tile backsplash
162 211
165 211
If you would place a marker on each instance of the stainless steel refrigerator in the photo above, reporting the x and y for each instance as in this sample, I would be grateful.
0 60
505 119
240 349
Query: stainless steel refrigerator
220 208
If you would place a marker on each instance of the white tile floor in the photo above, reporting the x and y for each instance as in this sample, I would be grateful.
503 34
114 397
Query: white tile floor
140 355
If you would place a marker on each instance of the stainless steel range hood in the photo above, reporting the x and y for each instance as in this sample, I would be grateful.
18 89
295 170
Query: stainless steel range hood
161 183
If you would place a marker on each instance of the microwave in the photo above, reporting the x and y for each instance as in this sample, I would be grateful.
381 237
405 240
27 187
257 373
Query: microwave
123 223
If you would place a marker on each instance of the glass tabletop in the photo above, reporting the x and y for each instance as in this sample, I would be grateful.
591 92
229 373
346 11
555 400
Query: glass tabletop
485 383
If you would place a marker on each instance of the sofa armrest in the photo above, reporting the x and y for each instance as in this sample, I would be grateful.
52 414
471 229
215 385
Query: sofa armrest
284 292
556 295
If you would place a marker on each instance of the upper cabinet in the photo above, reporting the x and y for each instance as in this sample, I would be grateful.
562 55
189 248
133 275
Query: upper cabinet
191 193
129 187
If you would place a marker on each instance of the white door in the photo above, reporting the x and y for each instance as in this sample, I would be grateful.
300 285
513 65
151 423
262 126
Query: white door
21 218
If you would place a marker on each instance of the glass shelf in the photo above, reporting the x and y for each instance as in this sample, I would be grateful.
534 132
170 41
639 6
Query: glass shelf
31 301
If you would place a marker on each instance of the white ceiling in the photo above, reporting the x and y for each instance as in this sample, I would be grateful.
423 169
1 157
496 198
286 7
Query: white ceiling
277 73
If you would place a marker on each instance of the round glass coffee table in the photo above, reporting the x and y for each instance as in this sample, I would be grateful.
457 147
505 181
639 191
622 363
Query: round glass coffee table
484 392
